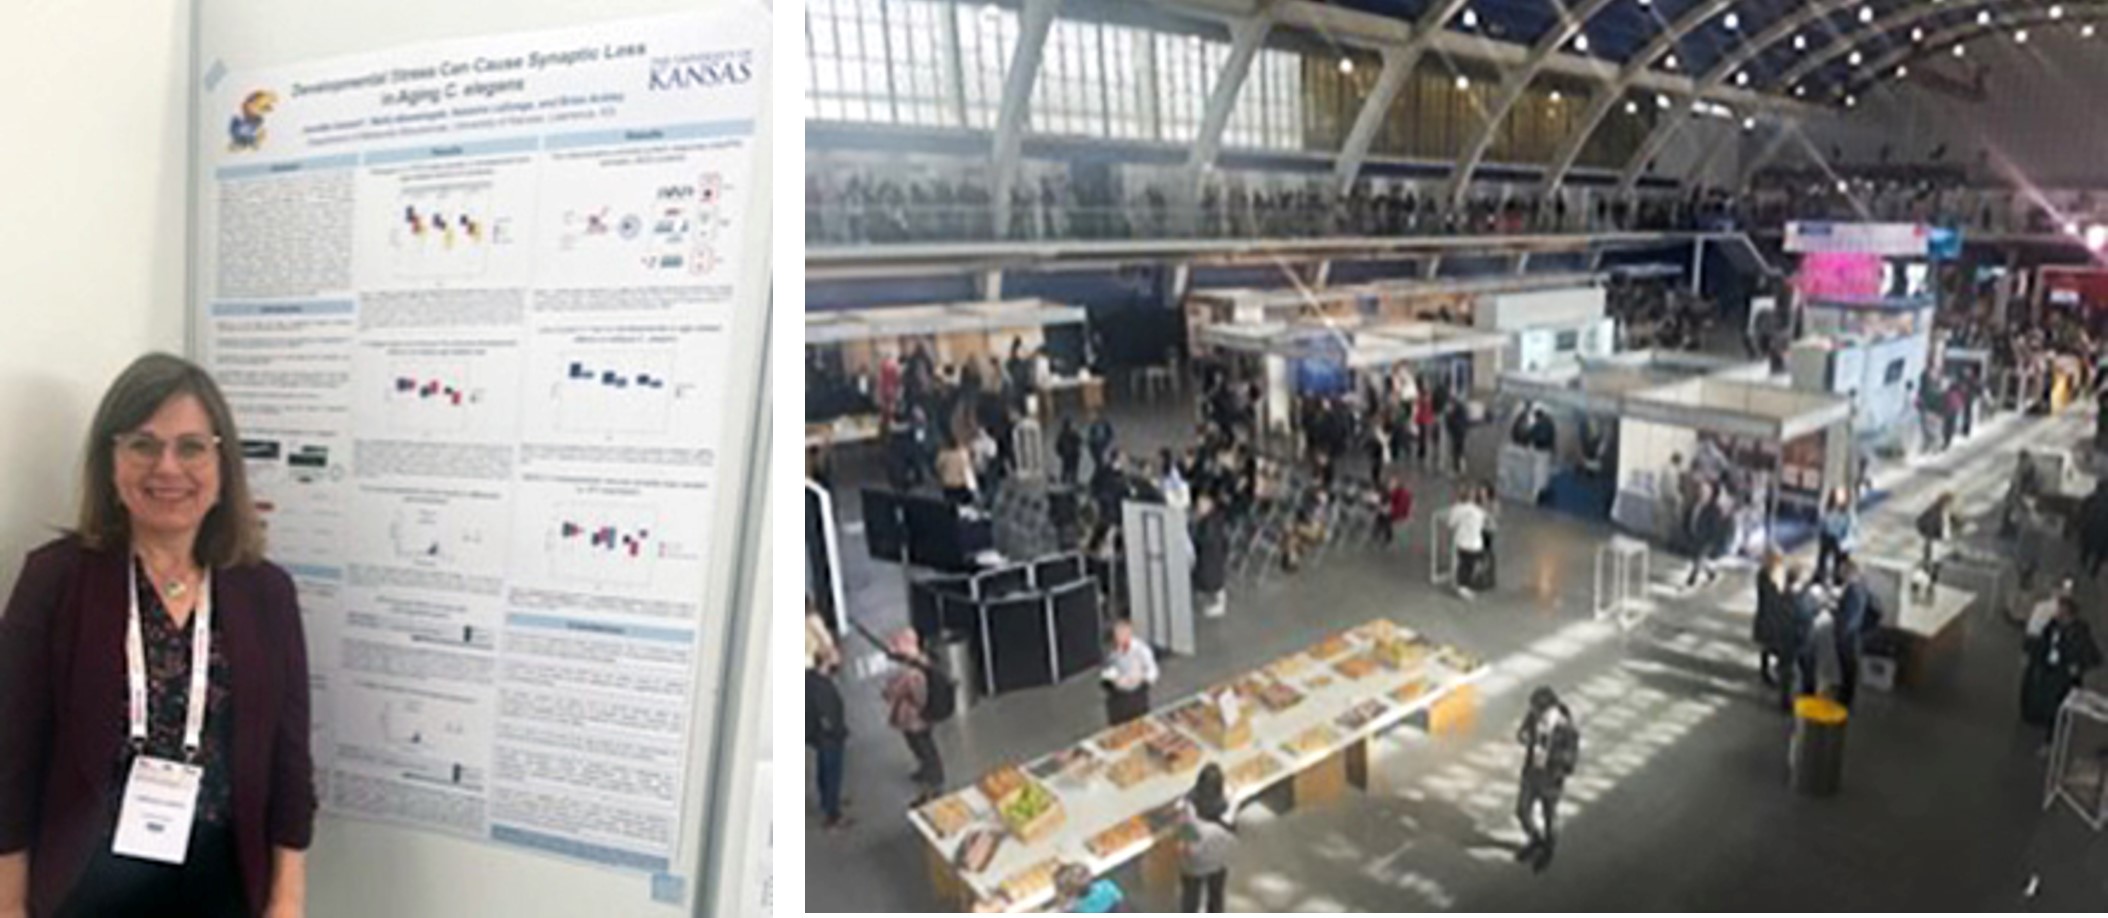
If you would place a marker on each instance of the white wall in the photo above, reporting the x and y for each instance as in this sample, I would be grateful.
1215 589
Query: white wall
2038 114
91 232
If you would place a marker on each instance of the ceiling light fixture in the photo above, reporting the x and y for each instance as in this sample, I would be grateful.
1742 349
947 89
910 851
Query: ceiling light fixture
1742 79
1555 95
1581 43
1856 59
2086 31
1749 124
1471 18
2097 237
1661 102
1866 14
2071 227
2020 36
1463 82
1346 65
1631 107
1800 42
1983 18
1733 21
1842 187
2056 12
1917 34
1851 101
1670 61
1800 92
1961 50
1902 71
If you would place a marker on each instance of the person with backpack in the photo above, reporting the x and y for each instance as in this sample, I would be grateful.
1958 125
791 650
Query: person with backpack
908 695
1206 838
1551 743
1077 893
2058 658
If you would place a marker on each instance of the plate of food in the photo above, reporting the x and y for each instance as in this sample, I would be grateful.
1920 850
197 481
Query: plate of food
1316 739
977 849
1132 770
947 815
1001 783
1252 771
1127 734
1279 696
1357 666
1411 691
1173 752
1121 836
1331 647
1361 714
1030 882
1290 666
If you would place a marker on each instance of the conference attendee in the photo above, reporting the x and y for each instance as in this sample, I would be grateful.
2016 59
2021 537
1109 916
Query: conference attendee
1099 437
1712 534
160 593
827 732
1935 526
1856 617
1211 557
1075 892
1458 428
819 641
1397 509
1177 493
1130 669
906 695
1068 445
1467 531
1206 839
1551 743
1837 532
2093 531
1773 627
1804 601
2057 661
955 472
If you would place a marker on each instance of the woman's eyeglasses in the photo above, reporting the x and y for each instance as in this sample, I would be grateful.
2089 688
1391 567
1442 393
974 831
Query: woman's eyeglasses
145 449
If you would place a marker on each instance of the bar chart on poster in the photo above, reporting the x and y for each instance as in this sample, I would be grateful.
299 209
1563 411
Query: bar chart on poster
486 284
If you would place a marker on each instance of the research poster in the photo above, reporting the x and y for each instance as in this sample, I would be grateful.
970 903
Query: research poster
473 303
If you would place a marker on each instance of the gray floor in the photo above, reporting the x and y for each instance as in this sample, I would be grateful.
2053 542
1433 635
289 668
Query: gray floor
1681 802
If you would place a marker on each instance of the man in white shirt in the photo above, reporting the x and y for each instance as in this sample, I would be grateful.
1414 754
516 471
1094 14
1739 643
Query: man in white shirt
1467 528
1129 672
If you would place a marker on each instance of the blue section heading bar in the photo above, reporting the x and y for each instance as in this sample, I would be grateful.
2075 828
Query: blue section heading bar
453 151
701 130
312 164
553 623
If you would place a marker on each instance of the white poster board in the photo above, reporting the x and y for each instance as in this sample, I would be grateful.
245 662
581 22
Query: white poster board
487 285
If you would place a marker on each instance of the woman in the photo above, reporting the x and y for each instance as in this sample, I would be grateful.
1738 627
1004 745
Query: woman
1773 628
1206 839
167 543
1076 892
1936 525
1837 530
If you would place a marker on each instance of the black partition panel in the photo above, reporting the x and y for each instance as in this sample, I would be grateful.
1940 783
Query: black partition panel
960 614
1002 582
1078 644
885 533
1017 646
1058 571
927 609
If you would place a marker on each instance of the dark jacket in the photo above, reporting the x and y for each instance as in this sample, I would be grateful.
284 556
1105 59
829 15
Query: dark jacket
1855 611
825 719
1773 628
62 720
1211 553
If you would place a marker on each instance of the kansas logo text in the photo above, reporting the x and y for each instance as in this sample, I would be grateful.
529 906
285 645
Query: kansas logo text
703 71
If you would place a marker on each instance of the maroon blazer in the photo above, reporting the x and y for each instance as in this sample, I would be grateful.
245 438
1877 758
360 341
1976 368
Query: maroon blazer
62 702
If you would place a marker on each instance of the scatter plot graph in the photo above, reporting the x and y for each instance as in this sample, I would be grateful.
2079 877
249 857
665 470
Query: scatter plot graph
605 544
433 536
674 234
430 399
617 393
445 230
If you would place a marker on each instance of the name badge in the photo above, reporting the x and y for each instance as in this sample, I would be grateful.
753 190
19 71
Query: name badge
160 802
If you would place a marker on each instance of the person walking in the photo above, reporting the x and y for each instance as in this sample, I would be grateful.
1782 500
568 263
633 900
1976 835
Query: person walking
1068 445
1129 672
1077 893
827 732
1467 530
1207 837
1712 534
1935 526
1551 743
1458 422
1397 508
1100 440
1836 533
906 695
1806 607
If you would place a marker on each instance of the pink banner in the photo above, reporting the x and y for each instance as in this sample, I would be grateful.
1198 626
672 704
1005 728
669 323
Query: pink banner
1844 275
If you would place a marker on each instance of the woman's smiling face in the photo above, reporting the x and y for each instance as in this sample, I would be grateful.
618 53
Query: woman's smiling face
171 492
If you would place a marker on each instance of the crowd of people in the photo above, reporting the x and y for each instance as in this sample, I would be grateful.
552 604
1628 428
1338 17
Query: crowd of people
855 206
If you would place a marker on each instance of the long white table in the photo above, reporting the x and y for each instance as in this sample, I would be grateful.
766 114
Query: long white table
1097 804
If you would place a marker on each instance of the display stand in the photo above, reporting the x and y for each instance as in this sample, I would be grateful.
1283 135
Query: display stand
1028 450
1625 600
2078 758
1524 473
1159 575
1441 548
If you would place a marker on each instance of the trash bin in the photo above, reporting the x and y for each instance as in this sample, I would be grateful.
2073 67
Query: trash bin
956 656
1817 753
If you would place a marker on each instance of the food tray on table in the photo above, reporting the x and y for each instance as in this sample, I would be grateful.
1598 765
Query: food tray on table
1315 739
1290 666
1119 837
947 815
1319 683
1132 770
1031 812
1357 666
1411 691
1001 783
1252 771
1331 647
1165 817
1029 882
1203 718
1401 653
1173 752
1279 696
1456 659
977 849
1070 766
1127 734
1360 715
1379 629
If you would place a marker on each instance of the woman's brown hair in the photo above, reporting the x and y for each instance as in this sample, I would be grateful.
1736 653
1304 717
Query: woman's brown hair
232 534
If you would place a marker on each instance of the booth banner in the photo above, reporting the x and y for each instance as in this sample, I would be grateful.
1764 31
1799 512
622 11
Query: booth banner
1871 238
1839 275
472 301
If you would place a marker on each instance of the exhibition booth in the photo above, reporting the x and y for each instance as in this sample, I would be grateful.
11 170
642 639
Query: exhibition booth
854 356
